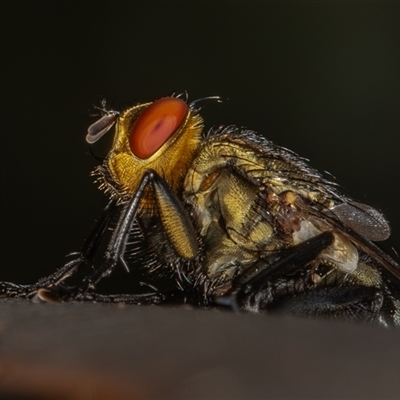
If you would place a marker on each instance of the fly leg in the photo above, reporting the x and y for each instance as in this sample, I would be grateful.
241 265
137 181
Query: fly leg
84 258
176 225
137 299
260 273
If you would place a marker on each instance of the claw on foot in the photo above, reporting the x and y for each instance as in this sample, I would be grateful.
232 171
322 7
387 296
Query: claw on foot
44 295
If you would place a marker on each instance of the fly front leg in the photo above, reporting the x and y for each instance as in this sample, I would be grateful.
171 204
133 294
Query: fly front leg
175 222
52 282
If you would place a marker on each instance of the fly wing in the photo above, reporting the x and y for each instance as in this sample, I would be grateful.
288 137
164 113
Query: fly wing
364 219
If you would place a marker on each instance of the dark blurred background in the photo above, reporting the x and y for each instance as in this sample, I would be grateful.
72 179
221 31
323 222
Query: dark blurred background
319 78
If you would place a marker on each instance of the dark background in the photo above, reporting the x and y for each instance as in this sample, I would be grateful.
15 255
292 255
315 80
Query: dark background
319 78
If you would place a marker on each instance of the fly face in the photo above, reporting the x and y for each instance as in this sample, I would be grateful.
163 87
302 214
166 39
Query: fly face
233 218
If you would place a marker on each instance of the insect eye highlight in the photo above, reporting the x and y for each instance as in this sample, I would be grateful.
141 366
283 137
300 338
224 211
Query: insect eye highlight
156 125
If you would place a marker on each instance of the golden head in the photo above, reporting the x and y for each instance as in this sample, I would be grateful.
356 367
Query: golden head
162 136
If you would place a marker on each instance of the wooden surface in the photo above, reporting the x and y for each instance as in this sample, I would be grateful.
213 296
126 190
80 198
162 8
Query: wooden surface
94 351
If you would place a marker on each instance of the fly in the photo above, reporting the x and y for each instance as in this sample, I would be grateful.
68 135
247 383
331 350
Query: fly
231 219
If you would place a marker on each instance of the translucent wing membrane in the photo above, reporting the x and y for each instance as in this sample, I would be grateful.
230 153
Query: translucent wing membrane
364 219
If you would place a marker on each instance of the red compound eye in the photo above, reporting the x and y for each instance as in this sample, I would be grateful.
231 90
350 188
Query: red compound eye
156 125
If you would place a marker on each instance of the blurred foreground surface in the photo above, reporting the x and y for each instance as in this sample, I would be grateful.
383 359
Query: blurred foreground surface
95 351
